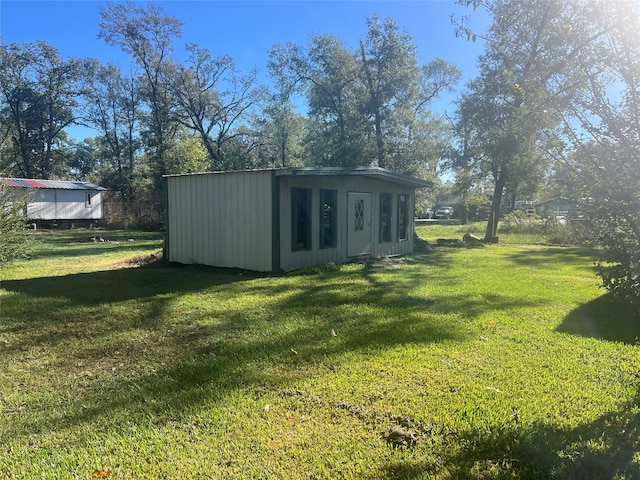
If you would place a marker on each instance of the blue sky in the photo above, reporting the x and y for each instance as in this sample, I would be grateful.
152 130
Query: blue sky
246 30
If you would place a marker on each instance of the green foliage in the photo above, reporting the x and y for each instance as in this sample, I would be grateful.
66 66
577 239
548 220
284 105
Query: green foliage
529 75
602 153
15 241
370 104
39 96
187 155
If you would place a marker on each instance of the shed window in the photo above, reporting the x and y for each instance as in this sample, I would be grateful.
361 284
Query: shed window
328 224
385 217
403 216
300 219
87 202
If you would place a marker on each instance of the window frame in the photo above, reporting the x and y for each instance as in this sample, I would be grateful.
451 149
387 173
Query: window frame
386 217
328 234
403 217
301 219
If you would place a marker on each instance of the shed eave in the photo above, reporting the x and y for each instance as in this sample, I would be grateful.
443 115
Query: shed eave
372 172
50 184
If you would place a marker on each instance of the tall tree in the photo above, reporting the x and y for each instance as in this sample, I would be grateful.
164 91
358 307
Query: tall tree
391 75
39 92
327 74
367 106
213 98
147 34
524 82
113 107
599 144
281 130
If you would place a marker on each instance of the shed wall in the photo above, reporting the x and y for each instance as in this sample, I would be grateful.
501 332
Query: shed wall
291 260
52 204
222 220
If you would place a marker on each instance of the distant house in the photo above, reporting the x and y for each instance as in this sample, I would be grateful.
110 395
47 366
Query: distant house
289 218
556 206
58 200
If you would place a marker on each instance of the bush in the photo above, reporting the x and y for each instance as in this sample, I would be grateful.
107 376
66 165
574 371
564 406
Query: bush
15 240
558 232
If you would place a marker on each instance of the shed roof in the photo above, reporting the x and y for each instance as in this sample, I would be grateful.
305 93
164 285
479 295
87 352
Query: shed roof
373 172
50 184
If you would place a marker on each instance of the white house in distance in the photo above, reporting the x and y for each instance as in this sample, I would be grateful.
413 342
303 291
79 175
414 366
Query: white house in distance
58 200
289 218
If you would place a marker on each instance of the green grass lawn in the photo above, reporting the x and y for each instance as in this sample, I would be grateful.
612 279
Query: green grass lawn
496 362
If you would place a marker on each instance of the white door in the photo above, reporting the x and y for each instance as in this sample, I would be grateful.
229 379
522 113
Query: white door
360 219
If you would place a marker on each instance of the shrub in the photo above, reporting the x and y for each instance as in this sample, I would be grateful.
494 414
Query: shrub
15 241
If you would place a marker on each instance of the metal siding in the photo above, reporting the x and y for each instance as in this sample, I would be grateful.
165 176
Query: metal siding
343 184
52 204
197 212
213 219
237 240
227 219
210 205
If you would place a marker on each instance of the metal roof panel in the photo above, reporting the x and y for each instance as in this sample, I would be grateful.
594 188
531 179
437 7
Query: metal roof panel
50 184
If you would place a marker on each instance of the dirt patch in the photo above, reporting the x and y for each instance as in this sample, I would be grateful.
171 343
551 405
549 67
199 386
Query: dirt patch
390 262
140 260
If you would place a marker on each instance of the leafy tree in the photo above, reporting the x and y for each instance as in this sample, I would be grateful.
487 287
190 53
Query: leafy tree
187 155
212 98
83 162
366 106
391 76
526 77
113 106
398 95
39 97
598 148
281 131
327 74
146 34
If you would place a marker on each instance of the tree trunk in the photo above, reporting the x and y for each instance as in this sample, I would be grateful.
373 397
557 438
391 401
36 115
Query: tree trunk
494 215
375 107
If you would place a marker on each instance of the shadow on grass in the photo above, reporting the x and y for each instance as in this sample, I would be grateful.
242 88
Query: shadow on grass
603 449
606 318
550 255
146 354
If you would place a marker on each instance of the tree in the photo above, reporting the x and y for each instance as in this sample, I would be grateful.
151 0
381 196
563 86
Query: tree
524 83
187 155
147 34
327 74
39 94
281 130
212 98
83 162
598 148
112 106
368 106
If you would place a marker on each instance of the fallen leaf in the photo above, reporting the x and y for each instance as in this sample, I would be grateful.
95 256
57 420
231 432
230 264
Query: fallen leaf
100 473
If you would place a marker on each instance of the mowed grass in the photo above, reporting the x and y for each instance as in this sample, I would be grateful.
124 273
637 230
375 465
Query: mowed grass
502 361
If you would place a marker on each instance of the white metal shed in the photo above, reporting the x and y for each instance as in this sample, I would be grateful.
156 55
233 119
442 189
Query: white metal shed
58 199
289 218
